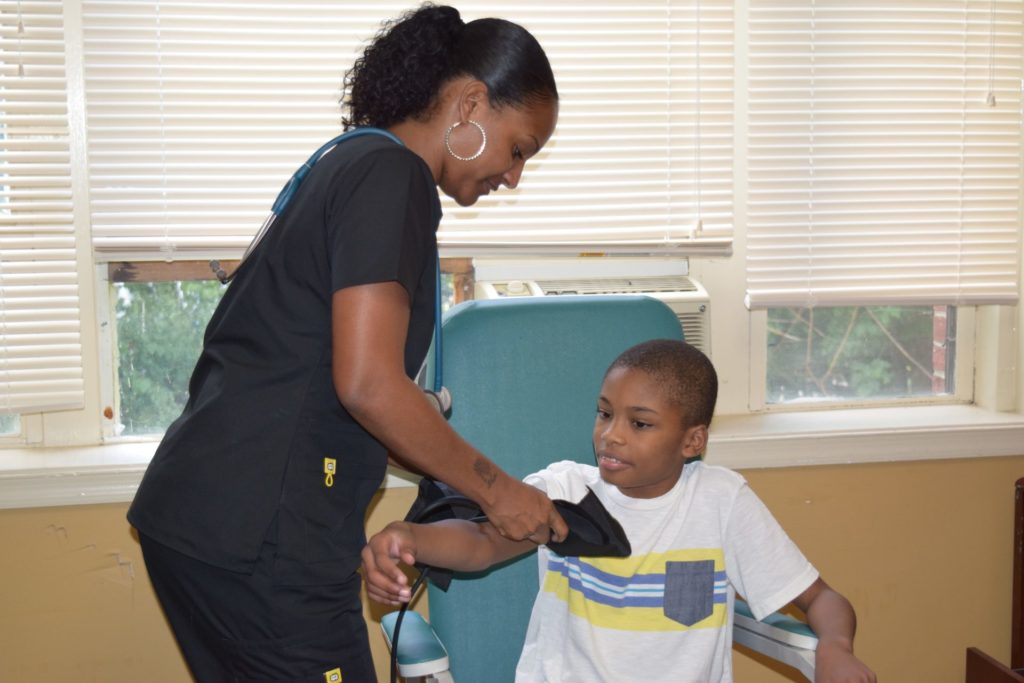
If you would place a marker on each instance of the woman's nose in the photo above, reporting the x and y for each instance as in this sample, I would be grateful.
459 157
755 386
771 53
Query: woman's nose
511 177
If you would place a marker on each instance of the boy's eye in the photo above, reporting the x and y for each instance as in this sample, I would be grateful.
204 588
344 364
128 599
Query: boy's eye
517 153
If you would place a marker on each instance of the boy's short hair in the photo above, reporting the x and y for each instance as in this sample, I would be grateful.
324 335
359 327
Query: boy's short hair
684 372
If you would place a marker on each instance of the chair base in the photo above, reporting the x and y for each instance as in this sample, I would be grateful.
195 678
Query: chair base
421 655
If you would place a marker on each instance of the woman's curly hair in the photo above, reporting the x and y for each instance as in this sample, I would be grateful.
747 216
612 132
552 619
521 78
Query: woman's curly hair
402 70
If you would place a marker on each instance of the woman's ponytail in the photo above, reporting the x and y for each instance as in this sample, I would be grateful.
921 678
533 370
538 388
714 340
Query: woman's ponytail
403 69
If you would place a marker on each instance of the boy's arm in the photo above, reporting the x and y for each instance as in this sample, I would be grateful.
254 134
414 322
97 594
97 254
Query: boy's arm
453 544
831 617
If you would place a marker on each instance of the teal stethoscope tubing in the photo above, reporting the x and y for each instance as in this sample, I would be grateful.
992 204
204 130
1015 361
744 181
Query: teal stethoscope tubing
284 197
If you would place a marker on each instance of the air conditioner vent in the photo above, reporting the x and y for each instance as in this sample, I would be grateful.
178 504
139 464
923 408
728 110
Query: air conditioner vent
632 285
687 298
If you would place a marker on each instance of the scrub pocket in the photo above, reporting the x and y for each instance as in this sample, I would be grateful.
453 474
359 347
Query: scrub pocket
689 591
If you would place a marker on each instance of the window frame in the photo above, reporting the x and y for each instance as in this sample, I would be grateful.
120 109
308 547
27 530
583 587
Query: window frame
70 457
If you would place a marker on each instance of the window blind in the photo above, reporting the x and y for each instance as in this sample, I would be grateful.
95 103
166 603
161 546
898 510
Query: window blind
199 111
40 343
884 152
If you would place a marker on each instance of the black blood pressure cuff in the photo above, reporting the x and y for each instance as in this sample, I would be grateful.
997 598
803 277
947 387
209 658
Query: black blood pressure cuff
593 532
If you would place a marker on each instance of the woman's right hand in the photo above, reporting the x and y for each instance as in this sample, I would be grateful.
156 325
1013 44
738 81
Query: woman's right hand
522 512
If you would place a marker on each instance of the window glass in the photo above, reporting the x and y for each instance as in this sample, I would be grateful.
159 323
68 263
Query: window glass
860 353
160 328
10 425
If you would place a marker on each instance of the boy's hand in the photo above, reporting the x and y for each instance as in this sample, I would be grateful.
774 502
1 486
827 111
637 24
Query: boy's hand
385 581
521 512
834 663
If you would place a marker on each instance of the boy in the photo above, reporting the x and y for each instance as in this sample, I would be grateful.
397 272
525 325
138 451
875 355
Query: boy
698 536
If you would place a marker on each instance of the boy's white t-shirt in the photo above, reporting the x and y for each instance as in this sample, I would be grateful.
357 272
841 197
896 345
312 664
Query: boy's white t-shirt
665 612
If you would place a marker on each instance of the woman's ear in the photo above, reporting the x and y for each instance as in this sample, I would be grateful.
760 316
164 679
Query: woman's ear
695 440
472 99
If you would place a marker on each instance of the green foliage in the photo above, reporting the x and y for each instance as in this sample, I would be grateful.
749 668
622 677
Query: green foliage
160 329
852 353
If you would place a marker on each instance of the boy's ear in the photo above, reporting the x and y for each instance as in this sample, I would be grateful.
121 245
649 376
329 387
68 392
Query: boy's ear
695 440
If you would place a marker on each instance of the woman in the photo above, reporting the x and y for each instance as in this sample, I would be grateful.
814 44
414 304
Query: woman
250 515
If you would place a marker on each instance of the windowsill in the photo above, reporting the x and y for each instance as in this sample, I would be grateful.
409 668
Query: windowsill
86 475
41 477
832 437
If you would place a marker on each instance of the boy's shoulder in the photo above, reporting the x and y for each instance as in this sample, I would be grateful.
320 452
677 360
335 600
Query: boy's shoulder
716 474
565 479
714 483
569 480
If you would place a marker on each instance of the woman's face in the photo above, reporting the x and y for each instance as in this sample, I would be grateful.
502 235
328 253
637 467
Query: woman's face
513 136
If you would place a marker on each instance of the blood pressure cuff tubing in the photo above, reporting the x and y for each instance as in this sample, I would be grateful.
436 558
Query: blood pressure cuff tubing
593 532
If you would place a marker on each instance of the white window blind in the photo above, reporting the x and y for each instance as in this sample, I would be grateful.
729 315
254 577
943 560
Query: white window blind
40 343
199 111
885 152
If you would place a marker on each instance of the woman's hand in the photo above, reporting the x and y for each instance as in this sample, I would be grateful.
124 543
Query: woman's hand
522 512
386 583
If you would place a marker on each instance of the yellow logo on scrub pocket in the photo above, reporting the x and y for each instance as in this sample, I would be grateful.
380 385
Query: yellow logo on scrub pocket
333 676
330 466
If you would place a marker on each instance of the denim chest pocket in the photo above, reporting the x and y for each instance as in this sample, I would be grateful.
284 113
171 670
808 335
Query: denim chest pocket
689 591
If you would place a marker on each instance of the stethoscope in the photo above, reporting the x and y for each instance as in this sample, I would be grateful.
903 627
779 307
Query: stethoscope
439 394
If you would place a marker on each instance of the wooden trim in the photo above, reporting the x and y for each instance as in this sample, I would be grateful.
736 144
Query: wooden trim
1017 620
981 668
164 271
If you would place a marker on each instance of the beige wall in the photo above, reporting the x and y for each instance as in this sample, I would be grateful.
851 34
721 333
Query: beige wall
923 550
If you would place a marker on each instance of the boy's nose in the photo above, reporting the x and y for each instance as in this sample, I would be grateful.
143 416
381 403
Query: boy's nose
612 433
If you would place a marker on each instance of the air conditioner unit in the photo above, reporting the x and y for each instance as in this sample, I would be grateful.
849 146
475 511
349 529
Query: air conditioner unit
685 296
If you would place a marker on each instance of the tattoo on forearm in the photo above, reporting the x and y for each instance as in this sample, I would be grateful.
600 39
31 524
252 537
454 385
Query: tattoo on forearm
485 471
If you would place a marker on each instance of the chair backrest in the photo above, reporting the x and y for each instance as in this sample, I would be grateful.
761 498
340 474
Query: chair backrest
524 375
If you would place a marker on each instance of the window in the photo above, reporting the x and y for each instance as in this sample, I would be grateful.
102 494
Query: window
884 184
40 343
198 112
9 425
884 153
160 312
804 135
857 353
160 323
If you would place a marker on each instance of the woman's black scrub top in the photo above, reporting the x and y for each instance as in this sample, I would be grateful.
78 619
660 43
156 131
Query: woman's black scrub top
245 463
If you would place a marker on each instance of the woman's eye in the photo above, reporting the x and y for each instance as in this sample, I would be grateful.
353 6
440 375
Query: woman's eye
603 414
641 425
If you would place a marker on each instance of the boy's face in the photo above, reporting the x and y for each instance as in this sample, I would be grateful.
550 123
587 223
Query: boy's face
639 439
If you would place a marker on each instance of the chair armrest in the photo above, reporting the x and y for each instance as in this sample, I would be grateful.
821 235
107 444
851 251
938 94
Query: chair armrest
420 651
778 636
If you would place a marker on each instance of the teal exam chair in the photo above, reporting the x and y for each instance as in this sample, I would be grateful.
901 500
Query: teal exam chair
524 374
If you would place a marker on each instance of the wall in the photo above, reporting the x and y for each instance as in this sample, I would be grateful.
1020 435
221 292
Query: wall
75 602
922 549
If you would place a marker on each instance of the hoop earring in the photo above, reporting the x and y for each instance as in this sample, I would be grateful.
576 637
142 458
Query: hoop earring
448 137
